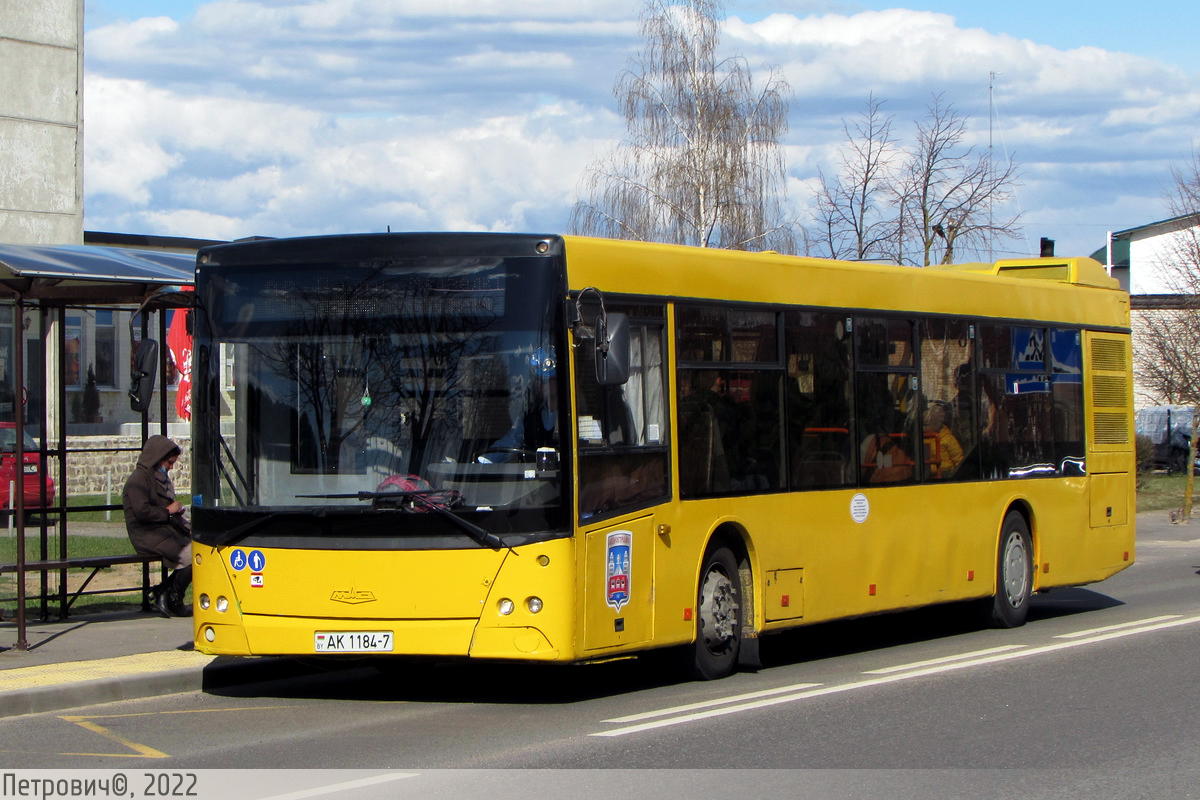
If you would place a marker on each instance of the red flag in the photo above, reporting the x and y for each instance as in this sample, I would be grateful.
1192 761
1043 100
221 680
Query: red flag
180 343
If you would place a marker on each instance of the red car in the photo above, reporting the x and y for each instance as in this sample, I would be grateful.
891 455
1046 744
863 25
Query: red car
32 470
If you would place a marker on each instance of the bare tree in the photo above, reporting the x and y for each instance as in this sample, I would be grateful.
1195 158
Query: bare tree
853 215
1167 341
948 192
921 204
701 164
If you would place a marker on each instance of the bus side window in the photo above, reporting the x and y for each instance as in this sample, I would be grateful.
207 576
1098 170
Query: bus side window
1066 348
622 429
730 416
1016 406
819 400
948 430
886 401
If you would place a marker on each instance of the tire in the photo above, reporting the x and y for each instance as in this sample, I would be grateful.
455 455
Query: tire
1014 574
718 617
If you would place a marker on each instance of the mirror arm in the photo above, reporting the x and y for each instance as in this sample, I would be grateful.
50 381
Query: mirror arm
598 330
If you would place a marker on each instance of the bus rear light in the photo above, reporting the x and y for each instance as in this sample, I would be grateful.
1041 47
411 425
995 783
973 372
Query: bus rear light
534 604
506 607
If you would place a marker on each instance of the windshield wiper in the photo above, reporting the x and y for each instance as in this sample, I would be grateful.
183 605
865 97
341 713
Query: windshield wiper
232 535
484 537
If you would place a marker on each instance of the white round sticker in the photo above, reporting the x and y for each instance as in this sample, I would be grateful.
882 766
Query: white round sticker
859 507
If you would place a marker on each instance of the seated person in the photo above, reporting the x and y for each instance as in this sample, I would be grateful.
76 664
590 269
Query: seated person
946 453
536 424
884 460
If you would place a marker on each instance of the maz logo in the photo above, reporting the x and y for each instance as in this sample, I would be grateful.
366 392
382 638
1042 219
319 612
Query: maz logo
352 596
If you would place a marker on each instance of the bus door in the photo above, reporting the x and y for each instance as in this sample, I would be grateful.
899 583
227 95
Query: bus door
623 453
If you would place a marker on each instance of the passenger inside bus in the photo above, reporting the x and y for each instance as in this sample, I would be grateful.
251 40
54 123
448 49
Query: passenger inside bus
943 451
885 460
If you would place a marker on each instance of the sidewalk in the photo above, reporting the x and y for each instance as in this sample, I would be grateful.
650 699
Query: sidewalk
101 658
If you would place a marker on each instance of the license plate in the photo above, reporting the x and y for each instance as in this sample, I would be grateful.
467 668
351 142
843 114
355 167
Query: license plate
353 641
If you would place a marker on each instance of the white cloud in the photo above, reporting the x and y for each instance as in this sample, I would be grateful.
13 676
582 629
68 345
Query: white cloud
318 116
117 40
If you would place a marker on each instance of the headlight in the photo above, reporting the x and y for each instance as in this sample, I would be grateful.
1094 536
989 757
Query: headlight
205 602
534 604
222 604
506 607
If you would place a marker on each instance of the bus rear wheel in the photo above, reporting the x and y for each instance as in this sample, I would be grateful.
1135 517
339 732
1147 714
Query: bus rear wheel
1014 575
718 617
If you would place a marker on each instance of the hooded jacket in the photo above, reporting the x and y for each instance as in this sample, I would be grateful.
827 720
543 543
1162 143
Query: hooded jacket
148 492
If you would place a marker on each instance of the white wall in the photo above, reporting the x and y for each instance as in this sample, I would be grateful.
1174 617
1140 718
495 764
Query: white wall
1152 254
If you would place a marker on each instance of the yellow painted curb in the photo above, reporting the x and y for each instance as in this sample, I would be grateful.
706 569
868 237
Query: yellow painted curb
83 671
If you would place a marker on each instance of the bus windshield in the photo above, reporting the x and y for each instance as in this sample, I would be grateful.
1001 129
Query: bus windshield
426 381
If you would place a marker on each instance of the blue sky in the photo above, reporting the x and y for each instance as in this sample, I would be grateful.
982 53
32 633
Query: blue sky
227 118
1163 30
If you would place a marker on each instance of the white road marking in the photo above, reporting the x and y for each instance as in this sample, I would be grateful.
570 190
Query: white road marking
1123 625
946 660
737 698
1146 626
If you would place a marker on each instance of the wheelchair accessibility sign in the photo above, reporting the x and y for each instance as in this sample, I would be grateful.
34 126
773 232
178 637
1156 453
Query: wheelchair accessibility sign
239 560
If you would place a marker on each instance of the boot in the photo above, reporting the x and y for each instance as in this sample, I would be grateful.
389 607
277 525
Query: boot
158 599
177 586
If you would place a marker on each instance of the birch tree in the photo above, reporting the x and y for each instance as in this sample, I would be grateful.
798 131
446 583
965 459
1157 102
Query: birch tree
701 163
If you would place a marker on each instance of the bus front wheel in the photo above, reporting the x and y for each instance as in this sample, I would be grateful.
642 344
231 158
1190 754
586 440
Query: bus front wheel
718 617
1014 574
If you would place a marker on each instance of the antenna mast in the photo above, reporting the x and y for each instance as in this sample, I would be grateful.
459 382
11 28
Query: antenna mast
991 115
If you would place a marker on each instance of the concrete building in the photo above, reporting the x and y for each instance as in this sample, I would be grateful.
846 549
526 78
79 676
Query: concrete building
41 121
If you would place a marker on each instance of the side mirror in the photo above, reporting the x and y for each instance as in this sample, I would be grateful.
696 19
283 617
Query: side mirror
141 379
613 350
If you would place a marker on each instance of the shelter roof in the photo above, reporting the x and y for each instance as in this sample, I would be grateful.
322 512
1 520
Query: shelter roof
89 274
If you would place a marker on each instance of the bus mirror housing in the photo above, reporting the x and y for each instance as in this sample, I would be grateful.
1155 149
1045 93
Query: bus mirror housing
609 334
612 350
141 379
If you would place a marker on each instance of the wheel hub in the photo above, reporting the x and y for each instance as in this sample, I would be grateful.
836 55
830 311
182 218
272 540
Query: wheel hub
1016 570
718 611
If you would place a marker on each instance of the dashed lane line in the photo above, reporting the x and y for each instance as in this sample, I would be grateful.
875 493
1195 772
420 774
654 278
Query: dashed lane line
945 660
735 707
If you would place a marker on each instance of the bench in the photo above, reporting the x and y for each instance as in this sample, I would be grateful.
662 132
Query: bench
95 564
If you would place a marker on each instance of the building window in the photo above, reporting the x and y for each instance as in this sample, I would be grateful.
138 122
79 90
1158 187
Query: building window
73 352
105 348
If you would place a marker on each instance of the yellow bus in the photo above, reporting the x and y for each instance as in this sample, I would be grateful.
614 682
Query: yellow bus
547 448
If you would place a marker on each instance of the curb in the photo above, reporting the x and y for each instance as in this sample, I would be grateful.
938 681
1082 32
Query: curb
44 691
108 690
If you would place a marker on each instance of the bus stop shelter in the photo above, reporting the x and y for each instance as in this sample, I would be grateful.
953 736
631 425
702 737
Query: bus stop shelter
44 281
